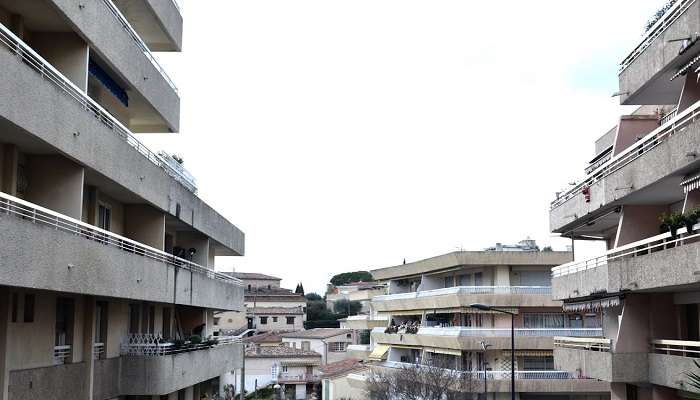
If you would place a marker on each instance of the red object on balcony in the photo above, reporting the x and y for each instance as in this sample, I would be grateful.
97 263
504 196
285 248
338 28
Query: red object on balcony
586 193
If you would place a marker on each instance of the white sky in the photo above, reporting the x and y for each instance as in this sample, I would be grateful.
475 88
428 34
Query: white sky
346 135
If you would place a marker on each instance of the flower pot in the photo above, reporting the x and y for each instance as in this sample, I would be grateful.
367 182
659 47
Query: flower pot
674 232
689 227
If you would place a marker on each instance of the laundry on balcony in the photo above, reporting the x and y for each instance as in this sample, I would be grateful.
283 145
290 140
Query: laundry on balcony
691 182
105 79
593 305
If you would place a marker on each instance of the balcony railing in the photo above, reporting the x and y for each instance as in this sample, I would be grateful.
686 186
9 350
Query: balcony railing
138 41
466 290
668 116
367 318
62 354
48 72
40 215
656 30
98 351
285 377
683 348
461 331
150 345
490 375
659 135
592 344
635 249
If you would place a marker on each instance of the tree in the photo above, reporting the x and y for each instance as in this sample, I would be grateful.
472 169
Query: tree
313 296
547 248
347 307
693 383
348 277
431 381
299 289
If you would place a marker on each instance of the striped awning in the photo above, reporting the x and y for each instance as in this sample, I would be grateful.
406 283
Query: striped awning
592 305
534 353
379 352
451 352
691 182
686 67
300 363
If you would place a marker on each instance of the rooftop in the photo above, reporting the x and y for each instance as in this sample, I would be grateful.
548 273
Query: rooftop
267 337
278 351
342 367
473 258
252 276
275 310
317 333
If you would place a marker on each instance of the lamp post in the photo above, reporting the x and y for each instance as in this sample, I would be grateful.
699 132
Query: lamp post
485 345
484 307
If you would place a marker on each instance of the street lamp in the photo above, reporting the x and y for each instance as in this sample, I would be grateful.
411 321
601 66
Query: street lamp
484 307
485 345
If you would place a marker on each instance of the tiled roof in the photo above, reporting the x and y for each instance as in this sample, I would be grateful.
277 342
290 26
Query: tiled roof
317 333
342 367
252 275
275 311
267 337
278 352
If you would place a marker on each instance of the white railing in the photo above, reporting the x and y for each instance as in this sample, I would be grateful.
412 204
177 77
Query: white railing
656 30
635 249
502 332
367 318
40 215
683 348
668 116
48 72
490 375
150 345
61 354
592 344
466 290
138 41
659 135
98 351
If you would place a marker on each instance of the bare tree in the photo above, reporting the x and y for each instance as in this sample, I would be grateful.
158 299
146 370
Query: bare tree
430 381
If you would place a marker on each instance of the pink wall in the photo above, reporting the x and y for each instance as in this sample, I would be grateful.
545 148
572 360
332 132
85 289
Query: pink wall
633 334
663 318
691 91
631 129
639 222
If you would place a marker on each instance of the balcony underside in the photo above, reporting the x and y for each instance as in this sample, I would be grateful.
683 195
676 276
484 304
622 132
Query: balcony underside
41 257
158 22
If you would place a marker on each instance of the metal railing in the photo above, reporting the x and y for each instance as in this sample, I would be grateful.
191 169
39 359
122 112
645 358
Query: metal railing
466 290
285 377
152 345
40 215
668 116
491 375
635 249
61 354
502 332
592 344
656 30
138 41
98 351
682 348
659 135
32 59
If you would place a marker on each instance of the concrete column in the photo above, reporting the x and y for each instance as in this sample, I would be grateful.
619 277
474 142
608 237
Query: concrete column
5 304
9 159
89 344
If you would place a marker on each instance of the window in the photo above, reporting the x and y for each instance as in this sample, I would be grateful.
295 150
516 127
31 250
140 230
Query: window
216 321
15 305
274 319
338 347
349 335
104 217
543 320
290 320
274 371
101 315
478 279
464 280
249 287
449 281
64 321
269 287
284 368
29 300
263 320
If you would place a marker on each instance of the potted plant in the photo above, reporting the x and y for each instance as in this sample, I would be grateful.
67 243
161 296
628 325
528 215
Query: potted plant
672 222
195 339
690 218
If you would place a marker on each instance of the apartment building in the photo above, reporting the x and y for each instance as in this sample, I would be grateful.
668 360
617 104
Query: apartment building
269 307
638 197
361 292
429 321
108 287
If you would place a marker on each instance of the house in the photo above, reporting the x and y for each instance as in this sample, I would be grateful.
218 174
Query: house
331 343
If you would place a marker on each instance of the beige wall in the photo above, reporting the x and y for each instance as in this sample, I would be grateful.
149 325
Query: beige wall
231 320
281 324
55 183
66 51
260 283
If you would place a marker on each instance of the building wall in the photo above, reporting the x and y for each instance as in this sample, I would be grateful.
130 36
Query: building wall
281 324
261 283
321 346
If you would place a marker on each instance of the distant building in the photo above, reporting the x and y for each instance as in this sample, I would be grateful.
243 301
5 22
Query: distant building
331 343
355 291
336 385
523 245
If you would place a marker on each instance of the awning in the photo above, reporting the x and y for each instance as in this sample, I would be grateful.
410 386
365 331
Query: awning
592 305
300 363
691 182
685 68
379 352
444 351
533 353
403 346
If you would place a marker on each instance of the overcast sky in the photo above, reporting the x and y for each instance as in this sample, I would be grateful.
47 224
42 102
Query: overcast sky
347 135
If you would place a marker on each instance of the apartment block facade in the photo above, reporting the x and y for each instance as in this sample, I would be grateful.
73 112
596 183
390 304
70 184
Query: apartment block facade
639 196
428 320
108 285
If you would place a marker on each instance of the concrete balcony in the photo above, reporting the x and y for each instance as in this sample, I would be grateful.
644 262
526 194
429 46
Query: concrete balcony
365 295
160 375
158 22
359 351
362 322
651 165
671 360
654 263
49 115
46 250
154 101
463 338
595 358
645 74
463 296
